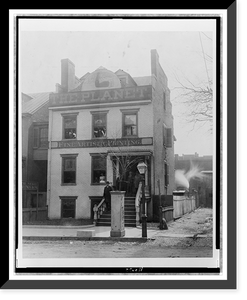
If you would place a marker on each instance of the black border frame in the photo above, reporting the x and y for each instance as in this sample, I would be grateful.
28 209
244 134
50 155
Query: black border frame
230 282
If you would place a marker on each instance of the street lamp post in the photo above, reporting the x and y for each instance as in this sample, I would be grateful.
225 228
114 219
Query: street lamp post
142 167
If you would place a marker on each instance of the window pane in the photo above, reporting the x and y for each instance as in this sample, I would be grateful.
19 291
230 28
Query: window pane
69 164
44 137
70 122
69 177
130 120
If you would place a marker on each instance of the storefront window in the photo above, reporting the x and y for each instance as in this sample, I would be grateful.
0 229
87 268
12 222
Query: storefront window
98 169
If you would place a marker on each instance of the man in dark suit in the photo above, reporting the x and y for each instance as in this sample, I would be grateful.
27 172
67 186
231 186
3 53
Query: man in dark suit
107 195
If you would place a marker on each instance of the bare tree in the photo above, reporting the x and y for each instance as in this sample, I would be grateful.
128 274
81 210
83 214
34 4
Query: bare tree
198 97
121 157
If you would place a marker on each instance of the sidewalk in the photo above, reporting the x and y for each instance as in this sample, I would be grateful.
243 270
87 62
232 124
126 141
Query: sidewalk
31 232
194 224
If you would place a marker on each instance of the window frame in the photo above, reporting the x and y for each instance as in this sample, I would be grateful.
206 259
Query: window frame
68 156
94 113
69 115
71 198
37 136
98 155
130 112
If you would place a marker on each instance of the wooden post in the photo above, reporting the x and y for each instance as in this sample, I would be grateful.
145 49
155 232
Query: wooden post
37 203
160 206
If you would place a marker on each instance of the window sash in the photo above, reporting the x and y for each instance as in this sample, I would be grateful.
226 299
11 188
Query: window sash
98 170
69 170
99 125
69 127
40 137
130 124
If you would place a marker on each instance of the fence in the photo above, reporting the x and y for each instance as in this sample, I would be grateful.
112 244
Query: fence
183 205
34 214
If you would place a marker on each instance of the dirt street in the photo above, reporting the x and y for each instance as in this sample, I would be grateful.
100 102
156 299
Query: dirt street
195 223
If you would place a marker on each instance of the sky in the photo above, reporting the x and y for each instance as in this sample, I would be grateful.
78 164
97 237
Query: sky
122 45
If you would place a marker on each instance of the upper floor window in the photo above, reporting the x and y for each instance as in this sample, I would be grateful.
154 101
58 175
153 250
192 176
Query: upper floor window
40 137
130 123
167 137
69 126
99 124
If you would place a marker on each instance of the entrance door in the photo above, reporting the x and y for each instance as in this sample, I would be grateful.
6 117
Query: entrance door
129 174
68 207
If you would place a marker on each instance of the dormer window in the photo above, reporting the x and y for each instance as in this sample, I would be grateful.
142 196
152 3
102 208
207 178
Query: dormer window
123 81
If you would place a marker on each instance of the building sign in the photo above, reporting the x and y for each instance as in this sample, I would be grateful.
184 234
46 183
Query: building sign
102 143
101 96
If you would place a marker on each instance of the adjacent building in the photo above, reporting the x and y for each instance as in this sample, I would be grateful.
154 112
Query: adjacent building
101 123
202 185
35 116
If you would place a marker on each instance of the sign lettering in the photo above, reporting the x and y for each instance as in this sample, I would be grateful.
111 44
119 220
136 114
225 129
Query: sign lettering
102 143
101 96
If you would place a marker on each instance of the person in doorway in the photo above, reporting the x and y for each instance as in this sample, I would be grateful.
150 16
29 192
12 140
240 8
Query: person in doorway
107 195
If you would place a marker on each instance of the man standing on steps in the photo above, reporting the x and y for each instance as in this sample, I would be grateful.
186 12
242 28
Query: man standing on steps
107 195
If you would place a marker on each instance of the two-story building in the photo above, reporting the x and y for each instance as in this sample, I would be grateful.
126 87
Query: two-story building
101 123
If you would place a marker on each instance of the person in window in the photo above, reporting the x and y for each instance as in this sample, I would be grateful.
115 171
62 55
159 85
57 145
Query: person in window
102 178
107 195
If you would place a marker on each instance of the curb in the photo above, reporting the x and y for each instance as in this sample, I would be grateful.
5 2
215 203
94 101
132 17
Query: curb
58 226
76 238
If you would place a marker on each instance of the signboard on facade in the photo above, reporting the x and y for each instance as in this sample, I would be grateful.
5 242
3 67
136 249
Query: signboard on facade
101 96
102 143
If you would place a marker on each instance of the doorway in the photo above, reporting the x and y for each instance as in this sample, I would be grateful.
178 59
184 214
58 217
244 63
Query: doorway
127 176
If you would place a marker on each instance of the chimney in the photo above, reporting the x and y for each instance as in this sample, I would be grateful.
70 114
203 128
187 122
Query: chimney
154 61
67 75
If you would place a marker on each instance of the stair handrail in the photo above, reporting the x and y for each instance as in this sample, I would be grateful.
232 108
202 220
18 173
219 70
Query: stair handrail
137 203
98 210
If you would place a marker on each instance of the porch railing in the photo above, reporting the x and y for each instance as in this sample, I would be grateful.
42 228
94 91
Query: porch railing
98 210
